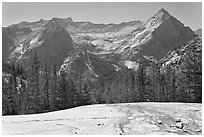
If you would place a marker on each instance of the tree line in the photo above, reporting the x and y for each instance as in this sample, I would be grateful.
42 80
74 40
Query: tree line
42 88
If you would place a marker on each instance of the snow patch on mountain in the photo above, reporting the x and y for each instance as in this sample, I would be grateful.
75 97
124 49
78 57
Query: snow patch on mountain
131 65
33 41
175 57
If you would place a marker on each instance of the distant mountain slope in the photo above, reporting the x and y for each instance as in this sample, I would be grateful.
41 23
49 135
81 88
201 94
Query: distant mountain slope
55 38
166 33
85 62
53 49
88 26
198 32
155 37
7 43
49 38
182 53
159 34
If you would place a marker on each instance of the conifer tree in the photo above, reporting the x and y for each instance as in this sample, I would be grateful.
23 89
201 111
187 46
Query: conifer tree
141 82
46 87
33 88
11 98
54 88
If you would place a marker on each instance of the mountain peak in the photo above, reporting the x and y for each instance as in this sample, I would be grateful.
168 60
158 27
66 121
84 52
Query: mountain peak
161 15
69 19
40 21
162 10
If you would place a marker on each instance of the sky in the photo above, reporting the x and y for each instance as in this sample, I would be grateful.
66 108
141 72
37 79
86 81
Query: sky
189 13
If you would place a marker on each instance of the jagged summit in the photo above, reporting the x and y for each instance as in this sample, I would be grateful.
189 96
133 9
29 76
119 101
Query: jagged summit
161 15
155 37
157 19
160 34
162 10
69 19
41 20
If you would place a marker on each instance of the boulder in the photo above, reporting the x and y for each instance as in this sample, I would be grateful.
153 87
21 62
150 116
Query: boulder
199 130
185 130
131 118
177 119
159 121
179 125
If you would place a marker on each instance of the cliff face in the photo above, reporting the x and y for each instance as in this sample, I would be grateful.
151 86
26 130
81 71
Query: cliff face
163 33
54 39
54 49
7 43
198 32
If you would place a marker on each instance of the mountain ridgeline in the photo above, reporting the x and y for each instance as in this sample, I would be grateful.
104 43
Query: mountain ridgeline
59 63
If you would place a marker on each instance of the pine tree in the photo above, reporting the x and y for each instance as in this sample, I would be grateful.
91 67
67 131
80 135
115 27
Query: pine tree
46 87
22 96
133 88
156 83
100 89
141 82
173 86
163 87
126 83
193 71
63 94
167 83
85 94
54 88
11 98
33 88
